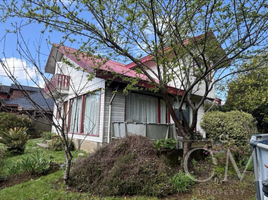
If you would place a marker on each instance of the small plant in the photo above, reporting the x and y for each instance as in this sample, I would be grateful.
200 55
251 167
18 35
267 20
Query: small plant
2 156
181 182
164 144
47 135
15 140
56 143
37 164
15 168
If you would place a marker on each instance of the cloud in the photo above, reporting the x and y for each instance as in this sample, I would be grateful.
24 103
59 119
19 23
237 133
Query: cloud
18 68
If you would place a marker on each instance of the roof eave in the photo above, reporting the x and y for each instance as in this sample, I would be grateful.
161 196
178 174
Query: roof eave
54 57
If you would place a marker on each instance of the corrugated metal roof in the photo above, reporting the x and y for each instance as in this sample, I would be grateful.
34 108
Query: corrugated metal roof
91 63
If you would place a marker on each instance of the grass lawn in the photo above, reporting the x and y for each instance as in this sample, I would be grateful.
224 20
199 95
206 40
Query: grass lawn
48 187
32 149
52 186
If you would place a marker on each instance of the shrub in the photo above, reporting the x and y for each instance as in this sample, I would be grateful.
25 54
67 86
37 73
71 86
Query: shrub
11 120
15 140
56 144
164 144
233 125
181 182
37 164
2 156
47 135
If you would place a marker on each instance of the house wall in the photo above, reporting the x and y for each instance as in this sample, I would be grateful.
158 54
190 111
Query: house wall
16 94
198 89
80 85
117 109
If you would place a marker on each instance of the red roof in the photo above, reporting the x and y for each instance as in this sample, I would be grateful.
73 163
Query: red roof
91 63
185 42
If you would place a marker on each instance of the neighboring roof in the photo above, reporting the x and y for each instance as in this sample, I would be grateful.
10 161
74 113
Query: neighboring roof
4 88
24 87
37 97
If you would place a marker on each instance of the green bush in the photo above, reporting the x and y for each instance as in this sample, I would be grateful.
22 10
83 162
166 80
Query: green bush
11 120
37 164
164 144
233 125
181 182
15 140
56 144
47 135
2 157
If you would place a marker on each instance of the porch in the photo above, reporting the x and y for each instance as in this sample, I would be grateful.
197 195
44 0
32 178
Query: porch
58 84
154 131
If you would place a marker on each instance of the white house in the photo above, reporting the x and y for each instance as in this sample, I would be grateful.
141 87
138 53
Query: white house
96 110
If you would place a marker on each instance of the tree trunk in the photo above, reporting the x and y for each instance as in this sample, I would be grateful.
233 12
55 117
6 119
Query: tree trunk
66 175
186 147
183 130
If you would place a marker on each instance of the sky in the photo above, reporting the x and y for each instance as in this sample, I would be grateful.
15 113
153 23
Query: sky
19 65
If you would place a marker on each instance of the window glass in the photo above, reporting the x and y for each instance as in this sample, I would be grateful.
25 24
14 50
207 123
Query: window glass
141 108
75 115
91 113
163 111
185 110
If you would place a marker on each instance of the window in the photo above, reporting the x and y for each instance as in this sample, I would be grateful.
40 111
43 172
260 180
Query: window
65 115
163 112
91 113
185 110
144 108
75 119
58 111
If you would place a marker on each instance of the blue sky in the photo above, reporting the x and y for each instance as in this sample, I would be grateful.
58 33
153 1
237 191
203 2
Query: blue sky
12 58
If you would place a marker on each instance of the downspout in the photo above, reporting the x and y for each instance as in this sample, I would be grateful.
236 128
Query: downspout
110 115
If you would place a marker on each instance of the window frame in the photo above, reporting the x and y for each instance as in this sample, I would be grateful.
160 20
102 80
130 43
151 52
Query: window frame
158 109
82 107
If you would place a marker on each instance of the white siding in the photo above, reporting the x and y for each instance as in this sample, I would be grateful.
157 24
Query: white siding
79 85
198 89
201 112
117 110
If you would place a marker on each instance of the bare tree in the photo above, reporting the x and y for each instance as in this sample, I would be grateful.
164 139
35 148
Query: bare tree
59 119
194 44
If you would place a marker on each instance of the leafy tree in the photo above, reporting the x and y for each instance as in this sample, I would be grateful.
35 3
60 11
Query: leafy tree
261 115
248 92
194 44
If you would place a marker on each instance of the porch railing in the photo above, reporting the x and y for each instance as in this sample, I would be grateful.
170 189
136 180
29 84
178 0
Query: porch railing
59 83
153 131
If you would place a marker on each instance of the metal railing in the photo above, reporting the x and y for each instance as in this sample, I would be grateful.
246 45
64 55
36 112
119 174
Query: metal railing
153 131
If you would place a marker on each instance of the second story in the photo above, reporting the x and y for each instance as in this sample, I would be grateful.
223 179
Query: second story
73 69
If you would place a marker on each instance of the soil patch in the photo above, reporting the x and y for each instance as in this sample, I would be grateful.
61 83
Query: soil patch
17 179
25 176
